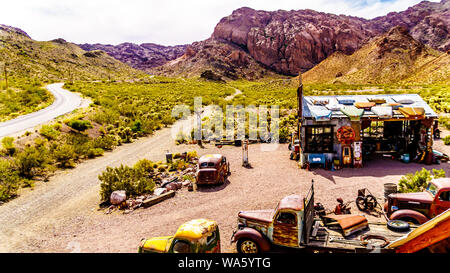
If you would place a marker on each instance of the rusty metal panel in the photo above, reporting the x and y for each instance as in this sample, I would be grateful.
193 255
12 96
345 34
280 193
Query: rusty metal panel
285 234
308 214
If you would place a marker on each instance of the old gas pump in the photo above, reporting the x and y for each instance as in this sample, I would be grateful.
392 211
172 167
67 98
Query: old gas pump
357 154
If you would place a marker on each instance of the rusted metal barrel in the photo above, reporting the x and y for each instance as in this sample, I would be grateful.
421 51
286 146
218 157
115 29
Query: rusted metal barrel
388 189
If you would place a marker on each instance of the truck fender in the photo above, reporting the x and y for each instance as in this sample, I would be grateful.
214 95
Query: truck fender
255 235
407 213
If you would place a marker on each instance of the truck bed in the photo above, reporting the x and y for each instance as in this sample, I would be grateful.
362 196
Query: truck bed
327 239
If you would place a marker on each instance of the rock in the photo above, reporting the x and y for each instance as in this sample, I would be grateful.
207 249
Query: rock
252 43
160 191
117 197
172 186
143 56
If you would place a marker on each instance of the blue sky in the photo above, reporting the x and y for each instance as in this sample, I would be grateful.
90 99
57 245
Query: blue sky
166 22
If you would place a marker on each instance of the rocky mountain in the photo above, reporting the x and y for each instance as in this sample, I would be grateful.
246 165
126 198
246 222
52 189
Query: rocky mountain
222 60
29 60
144 56
291 41
393 57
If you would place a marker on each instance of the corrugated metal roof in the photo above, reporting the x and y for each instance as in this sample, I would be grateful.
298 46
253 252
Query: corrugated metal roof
390 98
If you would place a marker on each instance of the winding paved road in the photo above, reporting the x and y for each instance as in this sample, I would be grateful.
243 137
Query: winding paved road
65 102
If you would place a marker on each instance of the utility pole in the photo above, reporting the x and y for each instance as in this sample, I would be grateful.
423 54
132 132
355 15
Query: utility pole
299 102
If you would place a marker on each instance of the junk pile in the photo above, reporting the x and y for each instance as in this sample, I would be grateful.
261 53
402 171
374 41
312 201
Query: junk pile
167 183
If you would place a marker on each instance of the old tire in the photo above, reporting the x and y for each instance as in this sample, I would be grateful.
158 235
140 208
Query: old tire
247 245
398 225
361 203
371 202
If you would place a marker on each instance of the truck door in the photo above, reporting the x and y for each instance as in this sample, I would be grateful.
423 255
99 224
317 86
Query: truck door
442 202
285 229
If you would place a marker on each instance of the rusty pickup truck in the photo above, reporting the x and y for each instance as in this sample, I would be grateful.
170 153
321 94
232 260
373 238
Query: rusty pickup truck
293 225
419 207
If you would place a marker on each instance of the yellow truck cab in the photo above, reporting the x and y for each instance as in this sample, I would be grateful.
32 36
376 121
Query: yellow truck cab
195 236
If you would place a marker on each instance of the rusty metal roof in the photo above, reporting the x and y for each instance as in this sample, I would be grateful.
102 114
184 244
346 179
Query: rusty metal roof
294 202
210 158
308 104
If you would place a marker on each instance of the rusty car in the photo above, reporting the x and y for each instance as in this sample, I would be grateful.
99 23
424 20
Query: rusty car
195 236
419 207
212 169
293 225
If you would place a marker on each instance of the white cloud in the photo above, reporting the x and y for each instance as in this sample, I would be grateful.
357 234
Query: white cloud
166 22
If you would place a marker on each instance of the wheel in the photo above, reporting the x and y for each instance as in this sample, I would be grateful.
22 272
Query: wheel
371 202
246 245
222 180
361 203
410 220
398 225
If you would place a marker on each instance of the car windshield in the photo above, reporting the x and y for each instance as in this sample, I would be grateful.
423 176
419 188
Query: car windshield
432 189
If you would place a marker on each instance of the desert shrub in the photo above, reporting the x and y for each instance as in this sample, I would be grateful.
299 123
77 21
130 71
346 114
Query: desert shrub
133 181
126 134
162 168
178 164
95 152
137 126
49 132
446 140
144 165
57 126
191 155
30 161
64 155
8 146
9 180
106 142
188 177
417 182
79 125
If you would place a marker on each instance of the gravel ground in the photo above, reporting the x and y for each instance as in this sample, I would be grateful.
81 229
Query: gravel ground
76 224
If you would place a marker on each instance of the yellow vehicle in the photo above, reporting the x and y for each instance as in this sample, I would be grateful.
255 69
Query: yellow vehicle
195 236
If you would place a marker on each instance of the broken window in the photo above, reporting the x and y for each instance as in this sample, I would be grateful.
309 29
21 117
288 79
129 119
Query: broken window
287 218
181 247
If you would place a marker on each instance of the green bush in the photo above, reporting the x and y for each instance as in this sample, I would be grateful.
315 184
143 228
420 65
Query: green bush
8 146
132 180
64 155
9 180
49 132
446 140
106 142
30 161
80 125
95 152
144 165
418 182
